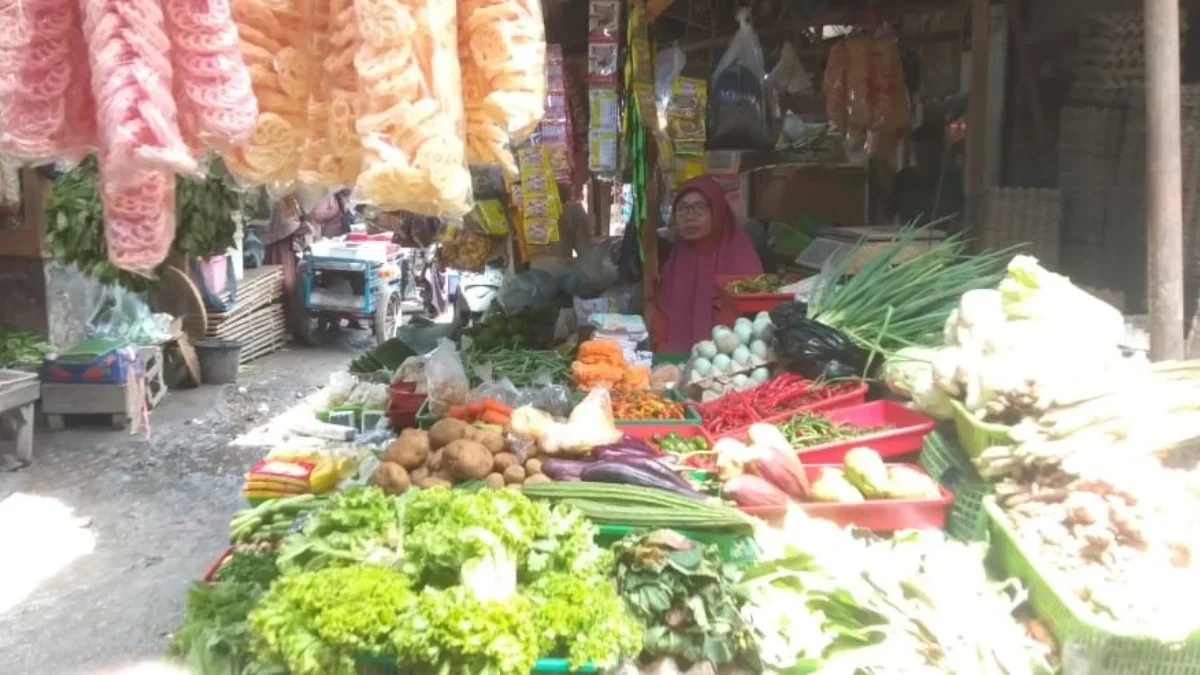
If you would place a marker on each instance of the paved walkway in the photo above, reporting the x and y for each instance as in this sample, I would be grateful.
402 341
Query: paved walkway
101 537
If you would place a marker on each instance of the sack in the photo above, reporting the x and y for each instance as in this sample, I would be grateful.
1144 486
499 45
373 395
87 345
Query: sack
815 350
742 111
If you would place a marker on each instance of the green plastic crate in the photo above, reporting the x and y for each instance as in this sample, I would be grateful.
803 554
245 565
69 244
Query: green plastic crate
975 436
734 548
945 462
1107 647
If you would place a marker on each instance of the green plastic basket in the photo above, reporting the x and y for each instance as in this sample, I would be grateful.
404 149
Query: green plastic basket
735 549
975 436
1107 647
426 419
945 461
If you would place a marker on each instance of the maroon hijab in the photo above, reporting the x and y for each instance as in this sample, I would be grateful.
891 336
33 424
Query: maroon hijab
686 287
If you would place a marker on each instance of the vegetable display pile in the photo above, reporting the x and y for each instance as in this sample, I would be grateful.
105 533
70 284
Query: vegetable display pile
784 393
20 348
645 405
487 581
644 507
900 300
735 359
454 452
488 411
808 430
601 363
528 329
759 283
916 603
271 520
681 592
522 367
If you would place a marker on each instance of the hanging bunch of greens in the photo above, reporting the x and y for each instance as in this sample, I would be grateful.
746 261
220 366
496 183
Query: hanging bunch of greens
204 209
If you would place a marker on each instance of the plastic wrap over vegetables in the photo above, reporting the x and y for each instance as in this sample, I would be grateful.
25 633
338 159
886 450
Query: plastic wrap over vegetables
742 112
46 106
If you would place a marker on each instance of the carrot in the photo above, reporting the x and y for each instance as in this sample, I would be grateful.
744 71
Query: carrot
497 418
474 410
492 405
458 412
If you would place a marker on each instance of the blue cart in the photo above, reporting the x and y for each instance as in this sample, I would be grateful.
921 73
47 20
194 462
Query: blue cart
332 289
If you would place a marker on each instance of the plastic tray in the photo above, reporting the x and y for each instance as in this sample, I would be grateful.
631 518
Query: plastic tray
747 303
906 435
877 515
946 462
691 418
648 431
856 396
975 436
1107 647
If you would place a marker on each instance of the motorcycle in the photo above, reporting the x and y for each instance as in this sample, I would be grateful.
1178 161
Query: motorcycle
477 291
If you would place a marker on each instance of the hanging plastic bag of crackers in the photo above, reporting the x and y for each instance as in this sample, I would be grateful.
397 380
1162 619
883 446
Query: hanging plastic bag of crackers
410 116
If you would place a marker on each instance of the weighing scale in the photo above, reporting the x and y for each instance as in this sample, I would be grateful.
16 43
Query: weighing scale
832 244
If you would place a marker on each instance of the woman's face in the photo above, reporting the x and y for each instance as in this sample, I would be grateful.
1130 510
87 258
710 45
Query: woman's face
693 217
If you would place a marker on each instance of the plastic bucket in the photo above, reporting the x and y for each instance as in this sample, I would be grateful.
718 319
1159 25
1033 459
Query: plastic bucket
218 360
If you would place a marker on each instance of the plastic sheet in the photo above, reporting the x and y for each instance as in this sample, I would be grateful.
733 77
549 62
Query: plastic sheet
212 87
411 114
46 102
741 110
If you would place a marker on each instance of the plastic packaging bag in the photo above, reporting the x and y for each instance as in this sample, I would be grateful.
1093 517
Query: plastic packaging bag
335 392
788 75
742 111
813 349
448 383
410 117
668 65
547 396
529 290
503 57
122 315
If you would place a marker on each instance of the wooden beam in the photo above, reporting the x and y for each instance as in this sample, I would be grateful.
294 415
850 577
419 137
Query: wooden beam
1164 180
977 110
649 234
1016 22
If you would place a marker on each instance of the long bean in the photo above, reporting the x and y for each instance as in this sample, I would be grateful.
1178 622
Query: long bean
523 367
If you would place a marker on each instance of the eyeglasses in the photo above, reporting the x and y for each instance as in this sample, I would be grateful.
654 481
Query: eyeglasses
692 208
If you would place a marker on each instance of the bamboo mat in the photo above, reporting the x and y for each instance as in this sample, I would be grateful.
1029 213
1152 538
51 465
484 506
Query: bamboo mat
257 319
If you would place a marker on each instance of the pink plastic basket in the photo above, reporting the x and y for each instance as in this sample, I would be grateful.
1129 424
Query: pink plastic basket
877 515
907 432
853 397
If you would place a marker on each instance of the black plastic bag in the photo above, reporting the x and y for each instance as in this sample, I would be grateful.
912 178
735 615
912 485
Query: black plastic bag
742 111
813 349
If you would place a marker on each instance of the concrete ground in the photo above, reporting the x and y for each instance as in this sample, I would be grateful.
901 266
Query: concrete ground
101 537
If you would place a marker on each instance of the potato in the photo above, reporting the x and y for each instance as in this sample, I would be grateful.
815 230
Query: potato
504 460
446 431
466 460
494 480
537 478
432 480
435 460
391 477
418 474
410 450
491 440
533 465
514 474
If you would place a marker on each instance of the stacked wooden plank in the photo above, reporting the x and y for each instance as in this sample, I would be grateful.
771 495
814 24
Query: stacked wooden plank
256 319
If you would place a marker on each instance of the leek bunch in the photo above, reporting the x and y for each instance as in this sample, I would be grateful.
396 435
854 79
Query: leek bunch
900 300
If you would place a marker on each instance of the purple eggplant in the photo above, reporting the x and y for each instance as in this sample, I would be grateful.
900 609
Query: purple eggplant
564 469
648 474
623 455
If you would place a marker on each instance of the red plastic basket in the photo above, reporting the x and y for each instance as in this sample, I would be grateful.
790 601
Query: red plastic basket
740 304
877 515
211 572
907 432
648 431
403 404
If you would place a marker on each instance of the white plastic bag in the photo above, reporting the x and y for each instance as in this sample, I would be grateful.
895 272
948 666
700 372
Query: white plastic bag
742 111
668 65
788 75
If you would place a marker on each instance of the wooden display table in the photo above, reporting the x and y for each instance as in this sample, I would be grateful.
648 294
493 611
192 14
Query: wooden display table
19 391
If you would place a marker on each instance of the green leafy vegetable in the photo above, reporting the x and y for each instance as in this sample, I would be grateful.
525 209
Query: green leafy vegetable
357 525
451 632
315 623
583 619
213 638
249 565
20 348
681 592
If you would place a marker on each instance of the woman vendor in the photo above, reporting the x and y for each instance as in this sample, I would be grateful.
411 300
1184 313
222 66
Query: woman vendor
709 242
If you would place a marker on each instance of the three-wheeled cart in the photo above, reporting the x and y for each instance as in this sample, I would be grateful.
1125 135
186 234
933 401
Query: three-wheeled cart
333 288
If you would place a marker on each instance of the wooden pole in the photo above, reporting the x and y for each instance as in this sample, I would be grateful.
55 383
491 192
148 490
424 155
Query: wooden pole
977 107
1164 189
649 233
